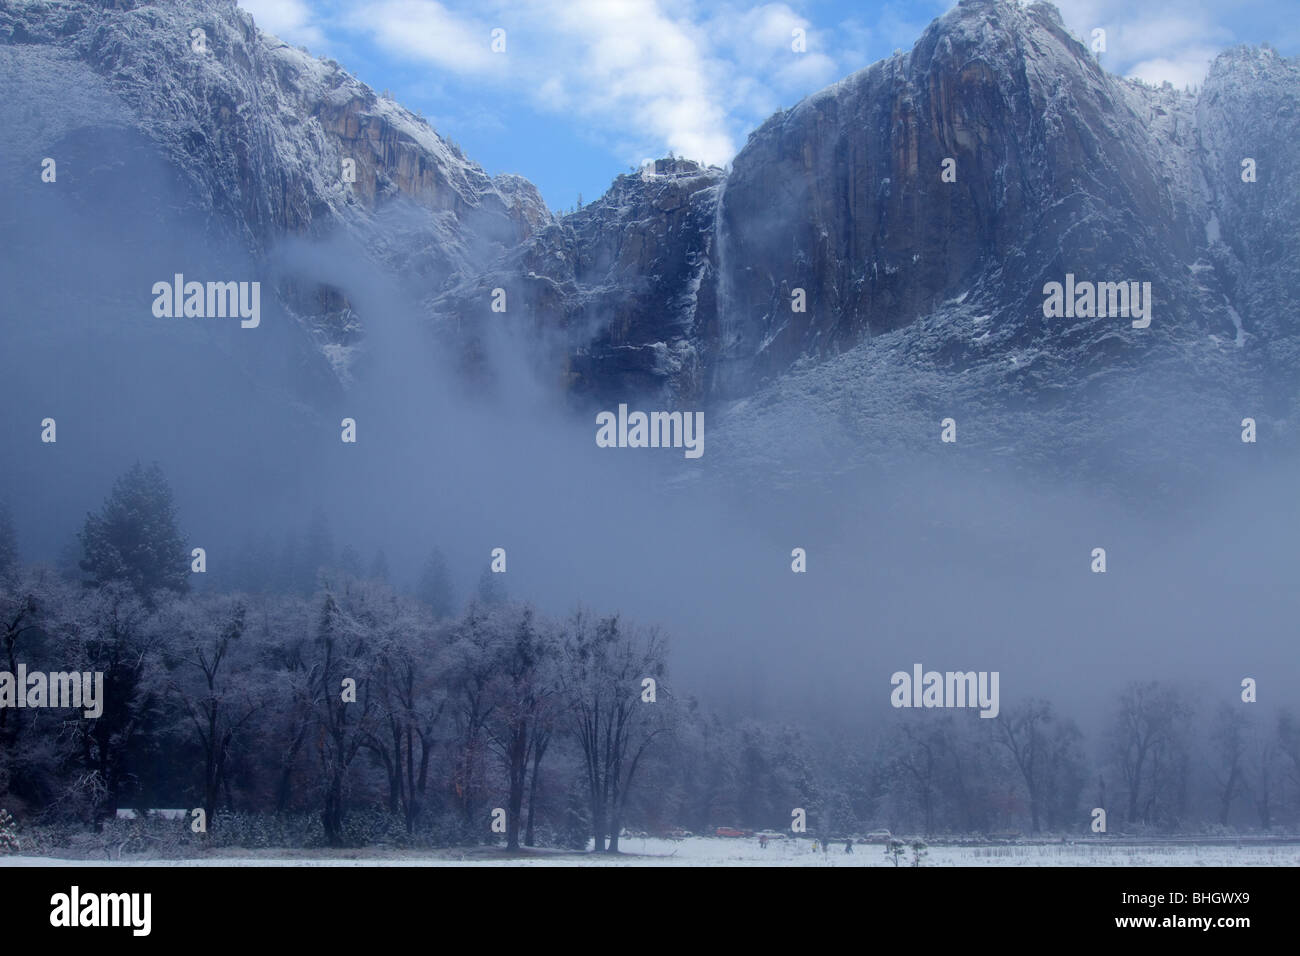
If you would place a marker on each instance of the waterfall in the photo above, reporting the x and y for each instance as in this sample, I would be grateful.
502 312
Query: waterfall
728 326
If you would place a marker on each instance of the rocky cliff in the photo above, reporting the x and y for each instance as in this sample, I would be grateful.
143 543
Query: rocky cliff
259 133
680 281
1055 167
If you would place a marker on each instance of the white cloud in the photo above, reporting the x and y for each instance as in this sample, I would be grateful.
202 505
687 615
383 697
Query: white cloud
290 20
646 75
426 30
626 64
1189 69
754 65
855 40
1154 46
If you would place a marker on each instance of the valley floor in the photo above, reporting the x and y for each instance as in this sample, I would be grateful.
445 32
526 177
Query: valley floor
720 851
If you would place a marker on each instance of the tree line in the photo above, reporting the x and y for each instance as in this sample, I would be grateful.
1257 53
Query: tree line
345 697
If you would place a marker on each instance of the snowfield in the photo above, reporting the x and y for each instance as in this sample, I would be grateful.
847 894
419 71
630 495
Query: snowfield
719 851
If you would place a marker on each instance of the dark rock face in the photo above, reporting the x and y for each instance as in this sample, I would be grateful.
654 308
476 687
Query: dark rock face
685 285
1249 109
843 197
627 282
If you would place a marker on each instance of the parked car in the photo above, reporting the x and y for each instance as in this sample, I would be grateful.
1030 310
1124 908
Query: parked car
126 814
731 832
877 836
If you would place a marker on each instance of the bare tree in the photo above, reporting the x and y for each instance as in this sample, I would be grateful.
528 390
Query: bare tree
1045 750
1063 774
1288 742
20 607
1262 775
346 623
410 705
1228 741
543 732
523 689
915 763
216 689
604 666
109 632
283 628
1147 748
1022 730
474 655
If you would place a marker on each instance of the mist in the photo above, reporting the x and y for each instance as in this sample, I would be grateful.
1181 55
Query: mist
960 561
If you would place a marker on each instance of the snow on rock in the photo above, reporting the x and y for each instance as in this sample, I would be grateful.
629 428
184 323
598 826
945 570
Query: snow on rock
678 283
260 131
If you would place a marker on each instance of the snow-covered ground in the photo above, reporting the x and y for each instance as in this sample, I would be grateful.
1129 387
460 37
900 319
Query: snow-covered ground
717 851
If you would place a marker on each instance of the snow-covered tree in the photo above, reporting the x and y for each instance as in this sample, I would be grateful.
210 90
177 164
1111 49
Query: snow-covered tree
491 589
434 587
523 690
30 762
8 834
343 705
379 567
110 630
350 562
474 656
409 657
134 538
604 664
213 681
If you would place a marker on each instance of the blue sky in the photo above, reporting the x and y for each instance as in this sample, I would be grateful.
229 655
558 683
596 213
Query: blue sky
586 89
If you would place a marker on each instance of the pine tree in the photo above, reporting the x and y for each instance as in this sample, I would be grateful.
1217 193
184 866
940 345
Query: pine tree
435 588
491 589
379 567
350 561
134 538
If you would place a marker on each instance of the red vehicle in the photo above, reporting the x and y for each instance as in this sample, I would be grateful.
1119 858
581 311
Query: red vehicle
731 832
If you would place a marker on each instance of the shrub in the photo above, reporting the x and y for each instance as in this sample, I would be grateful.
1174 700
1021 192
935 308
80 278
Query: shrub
8 834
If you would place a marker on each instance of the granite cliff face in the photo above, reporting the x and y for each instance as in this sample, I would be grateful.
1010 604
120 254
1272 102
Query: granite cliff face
257 132
678 283
927 300
1250 108
1060 168
1053 165
622 293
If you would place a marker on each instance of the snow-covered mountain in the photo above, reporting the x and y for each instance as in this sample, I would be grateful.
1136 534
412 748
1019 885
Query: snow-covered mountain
257 133
929 294
923 291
